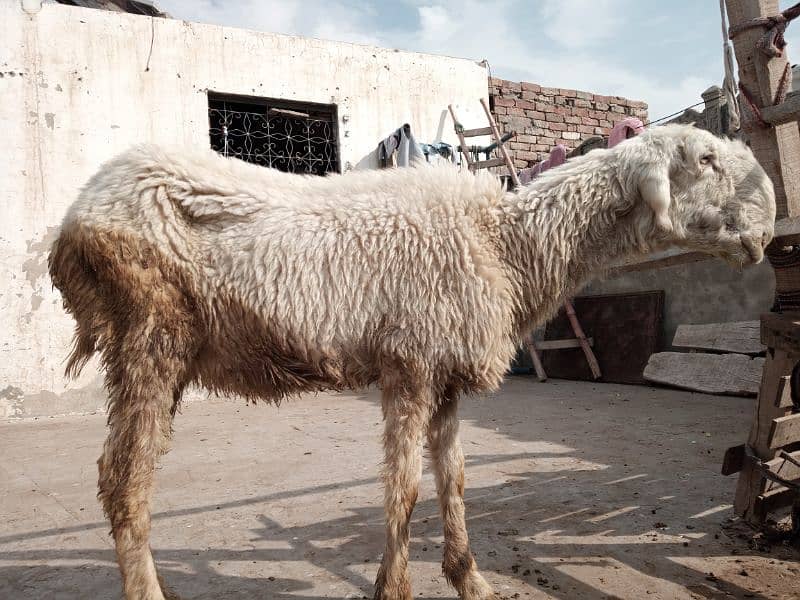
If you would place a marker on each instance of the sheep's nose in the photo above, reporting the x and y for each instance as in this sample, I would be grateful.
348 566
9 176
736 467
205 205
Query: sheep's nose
766 238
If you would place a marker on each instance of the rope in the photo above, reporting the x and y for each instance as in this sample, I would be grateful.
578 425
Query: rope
729 82
772 42
771 475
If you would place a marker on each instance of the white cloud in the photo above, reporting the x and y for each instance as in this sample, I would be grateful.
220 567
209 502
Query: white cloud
582 23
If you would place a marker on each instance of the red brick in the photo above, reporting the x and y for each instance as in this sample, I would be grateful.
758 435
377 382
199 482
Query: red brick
583 103
580 112
601 106
602 130
518 146
585 129
548 91
526 155
526 138
524 104
516 111
528 95
589 121
535 114
500 110
568 93
584 95
572 120
530 87
558 126
500 101
617 109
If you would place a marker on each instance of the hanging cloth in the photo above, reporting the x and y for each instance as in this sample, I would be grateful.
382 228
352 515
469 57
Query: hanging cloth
627 128
558 156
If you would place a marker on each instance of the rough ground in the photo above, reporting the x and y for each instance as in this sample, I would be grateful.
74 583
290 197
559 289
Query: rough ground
575 491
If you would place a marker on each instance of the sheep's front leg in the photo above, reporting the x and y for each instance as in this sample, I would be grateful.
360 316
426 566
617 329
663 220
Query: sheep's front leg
406 416
448 464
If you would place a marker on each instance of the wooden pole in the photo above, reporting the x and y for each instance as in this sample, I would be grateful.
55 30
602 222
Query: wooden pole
776 148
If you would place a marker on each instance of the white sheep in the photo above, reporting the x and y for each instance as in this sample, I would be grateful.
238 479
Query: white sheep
186 267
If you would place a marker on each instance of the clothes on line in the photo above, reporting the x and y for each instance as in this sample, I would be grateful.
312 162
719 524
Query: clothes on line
399 149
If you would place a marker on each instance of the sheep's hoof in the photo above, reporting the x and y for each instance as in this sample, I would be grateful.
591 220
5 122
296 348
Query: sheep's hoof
475 587
168 593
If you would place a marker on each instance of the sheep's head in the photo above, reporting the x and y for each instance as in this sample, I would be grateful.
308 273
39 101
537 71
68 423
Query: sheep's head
700 192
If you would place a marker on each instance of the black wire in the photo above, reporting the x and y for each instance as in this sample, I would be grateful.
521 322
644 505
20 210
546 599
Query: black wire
683 110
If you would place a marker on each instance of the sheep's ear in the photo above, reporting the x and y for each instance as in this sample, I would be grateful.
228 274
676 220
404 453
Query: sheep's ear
655 191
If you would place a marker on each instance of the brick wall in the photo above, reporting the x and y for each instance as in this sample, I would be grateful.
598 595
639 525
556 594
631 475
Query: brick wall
544 117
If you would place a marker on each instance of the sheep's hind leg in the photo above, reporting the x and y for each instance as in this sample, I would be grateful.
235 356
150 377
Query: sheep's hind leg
448 463
406 414
145 385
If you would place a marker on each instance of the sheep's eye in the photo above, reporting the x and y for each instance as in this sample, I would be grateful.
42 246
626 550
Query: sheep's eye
707 159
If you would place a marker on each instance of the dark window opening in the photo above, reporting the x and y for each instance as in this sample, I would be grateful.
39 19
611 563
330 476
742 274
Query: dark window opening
288 136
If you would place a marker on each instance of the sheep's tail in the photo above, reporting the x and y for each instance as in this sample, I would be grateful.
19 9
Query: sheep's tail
72 273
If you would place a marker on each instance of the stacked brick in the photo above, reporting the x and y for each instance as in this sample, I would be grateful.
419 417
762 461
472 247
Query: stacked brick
544 117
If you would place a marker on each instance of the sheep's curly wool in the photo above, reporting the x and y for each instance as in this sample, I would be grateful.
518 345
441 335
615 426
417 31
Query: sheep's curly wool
189 267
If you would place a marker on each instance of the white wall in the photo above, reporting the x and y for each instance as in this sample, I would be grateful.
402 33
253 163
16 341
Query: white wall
76 88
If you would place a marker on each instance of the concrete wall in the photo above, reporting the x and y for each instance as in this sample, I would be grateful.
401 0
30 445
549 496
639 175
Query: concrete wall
79 85
704 292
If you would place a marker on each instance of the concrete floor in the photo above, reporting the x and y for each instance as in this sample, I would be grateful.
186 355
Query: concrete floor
574 491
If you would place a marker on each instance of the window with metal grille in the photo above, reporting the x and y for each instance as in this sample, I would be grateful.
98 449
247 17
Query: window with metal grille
289 136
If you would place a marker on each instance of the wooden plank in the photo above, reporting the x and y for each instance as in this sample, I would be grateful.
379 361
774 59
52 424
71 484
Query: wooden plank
477 132
785 112
562 344
777 148
781 330
785 469
751 482
657 260
771 501
741 337
485 164
727 374
784 431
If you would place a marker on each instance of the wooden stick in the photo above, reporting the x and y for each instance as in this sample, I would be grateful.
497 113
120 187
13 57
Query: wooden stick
512 170
460 133
537 361
587 350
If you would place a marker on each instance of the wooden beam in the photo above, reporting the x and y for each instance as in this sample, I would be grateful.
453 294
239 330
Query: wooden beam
562 344
776 148
784 431
492 162
476 132
667 258
786 112
781 331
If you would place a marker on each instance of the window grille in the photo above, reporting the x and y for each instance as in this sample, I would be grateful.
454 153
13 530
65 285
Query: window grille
289 136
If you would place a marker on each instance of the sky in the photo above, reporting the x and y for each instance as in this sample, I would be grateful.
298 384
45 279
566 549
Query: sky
663 52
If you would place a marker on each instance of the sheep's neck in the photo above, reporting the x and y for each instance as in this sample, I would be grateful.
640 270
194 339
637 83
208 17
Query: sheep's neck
556 239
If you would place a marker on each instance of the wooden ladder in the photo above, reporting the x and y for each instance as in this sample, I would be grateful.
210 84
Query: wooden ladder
771 457
534 347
